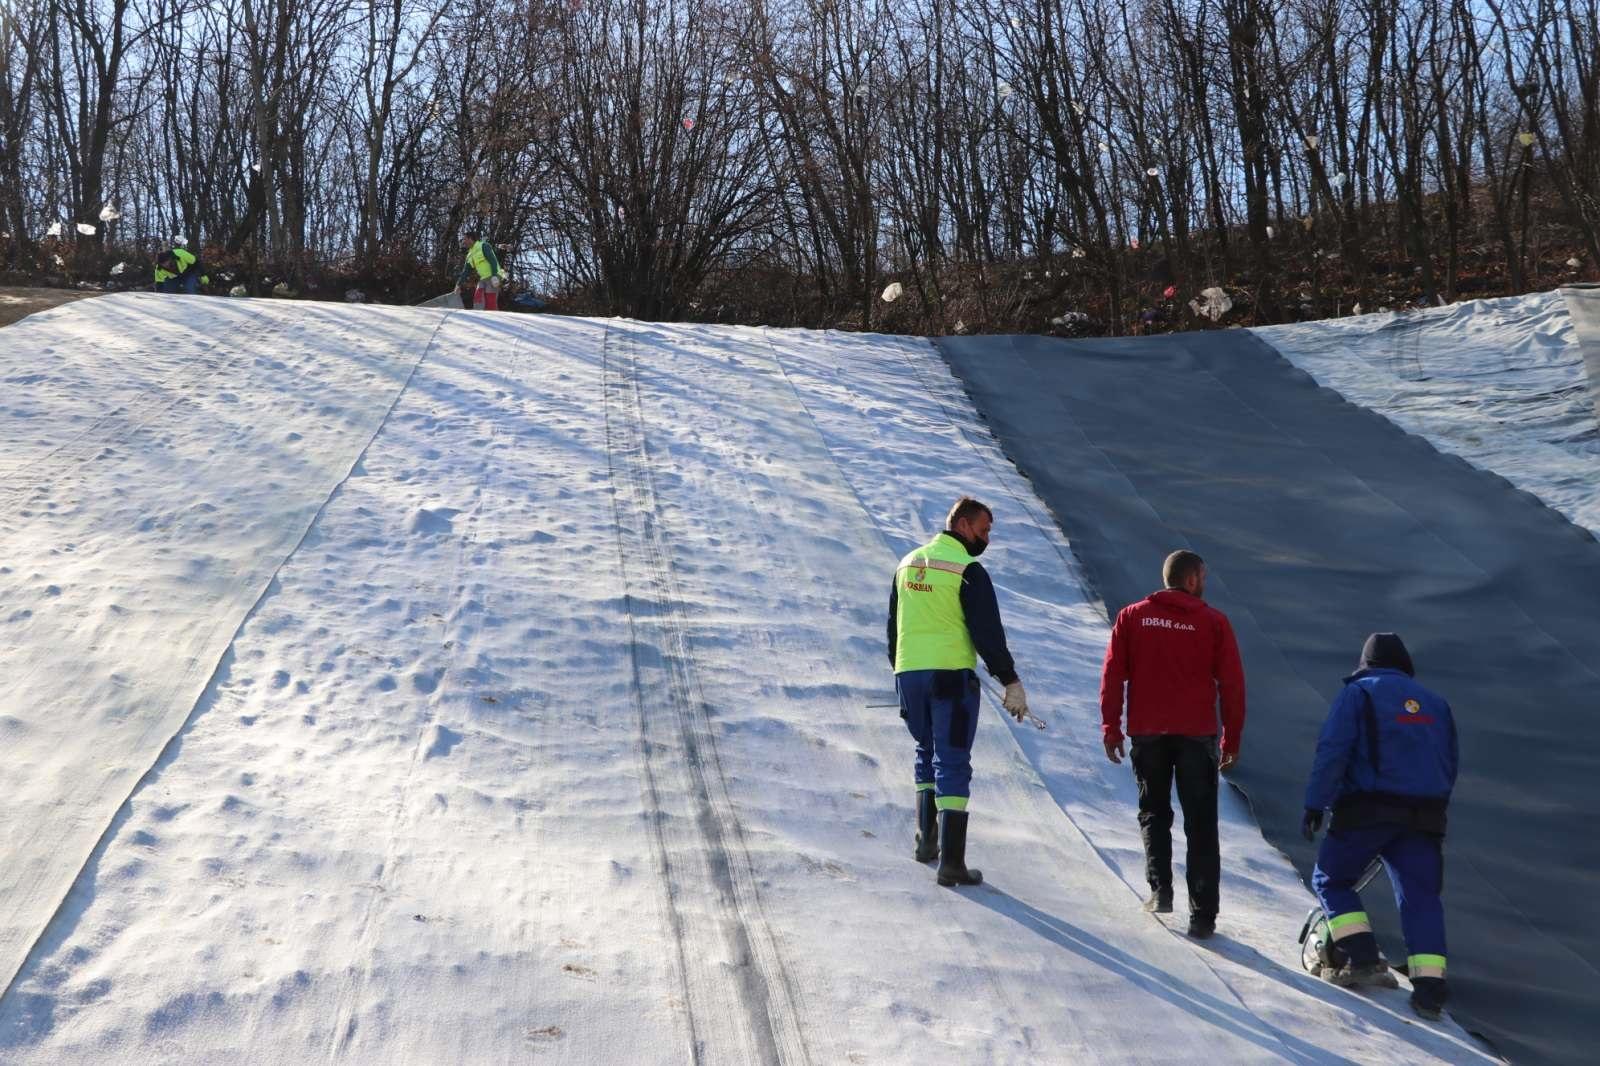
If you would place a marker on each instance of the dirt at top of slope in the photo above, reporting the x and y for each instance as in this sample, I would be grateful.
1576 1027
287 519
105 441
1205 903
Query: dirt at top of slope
17 302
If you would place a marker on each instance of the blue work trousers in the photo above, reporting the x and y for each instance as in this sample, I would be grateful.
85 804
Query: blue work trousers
1415 862
941 711
182 283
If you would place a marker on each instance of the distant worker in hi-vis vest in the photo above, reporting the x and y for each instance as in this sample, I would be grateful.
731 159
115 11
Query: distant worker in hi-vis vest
178 270
942 616
483 268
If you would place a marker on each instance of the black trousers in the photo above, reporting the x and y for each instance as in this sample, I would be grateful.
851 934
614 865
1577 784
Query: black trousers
1157 760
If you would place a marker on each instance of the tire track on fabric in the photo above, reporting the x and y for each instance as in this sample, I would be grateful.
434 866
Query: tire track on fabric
710 888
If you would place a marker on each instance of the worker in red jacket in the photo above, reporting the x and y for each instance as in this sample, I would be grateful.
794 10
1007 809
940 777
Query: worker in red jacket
1175 654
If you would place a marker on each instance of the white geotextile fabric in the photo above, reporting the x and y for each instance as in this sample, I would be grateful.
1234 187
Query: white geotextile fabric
1583 303
162 456
427 814
1500 383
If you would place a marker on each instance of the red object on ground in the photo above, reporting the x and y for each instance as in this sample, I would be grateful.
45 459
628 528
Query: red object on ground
1176 652
1169 292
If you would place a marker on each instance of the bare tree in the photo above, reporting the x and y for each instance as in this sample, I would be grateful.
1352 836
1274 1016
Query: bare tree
1002 159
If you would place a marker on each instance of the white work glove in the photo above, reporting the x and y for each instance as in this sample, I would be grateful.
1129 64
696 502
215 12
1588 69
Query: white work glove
1015 701
491 283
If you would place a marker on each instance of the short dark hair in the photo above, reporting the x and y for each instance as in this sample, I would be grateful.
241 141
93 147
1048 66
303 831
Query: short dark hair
470 235
1180 566
966 507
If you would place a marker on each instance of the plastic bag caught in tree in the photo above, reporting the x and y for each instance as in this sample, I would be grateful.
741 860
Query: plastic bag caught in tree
86 229
1004 90
1337 181
181 242
688 124
109 214
1574 263
1152 172
54 230
1312 141
1526 138
892 292
1269 233
1212 303
119 268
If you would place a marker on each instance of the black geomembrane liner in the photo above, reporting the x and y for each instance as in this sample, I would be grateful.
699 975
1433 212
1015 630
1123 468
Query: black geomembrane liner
1321 522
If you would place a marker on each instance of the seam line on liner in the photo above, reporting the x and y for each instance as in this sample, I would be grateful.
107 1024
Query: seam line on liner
211 679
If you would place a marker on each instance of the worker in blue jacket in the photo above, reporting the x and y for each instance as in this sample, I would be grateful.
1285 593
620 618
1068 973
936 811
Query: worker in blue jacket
1385 765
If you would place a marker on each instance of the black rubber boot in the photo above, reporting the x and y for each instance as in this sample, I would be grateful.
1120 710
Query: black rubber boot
927 826
953 851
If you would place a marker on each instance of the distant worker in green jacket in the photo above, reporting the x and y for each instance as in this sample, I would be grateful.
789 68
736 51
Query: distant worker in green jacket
484 266
178 270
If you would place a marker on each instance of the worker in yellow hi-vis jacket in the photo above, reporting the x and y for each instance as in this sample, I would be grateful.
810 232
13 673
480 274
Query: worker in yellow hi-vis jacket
942 616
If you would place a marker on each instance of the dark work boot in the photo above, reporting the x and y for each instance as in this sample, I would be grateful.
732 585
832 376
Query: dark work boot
1427 997
1160 901
1362 975
927 826
953 851
1363 966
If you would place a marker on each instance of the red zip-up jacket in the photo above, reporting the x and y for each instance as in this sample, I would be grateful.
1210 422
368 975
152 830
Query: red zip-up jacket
1176 653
